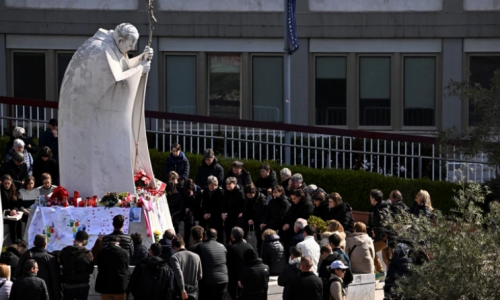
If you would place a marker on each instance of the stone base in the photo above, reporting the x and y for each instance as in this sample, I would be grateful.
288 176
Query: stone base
362 287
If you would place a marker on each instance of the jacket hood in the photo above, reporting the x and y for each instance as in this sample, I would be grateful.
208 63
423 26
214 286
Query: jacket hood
177 159
154 262
359 238
272 238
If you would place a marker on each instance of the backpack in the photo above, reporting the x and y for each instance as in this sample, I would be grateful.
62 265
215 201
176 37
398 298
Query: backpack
76 264
348 278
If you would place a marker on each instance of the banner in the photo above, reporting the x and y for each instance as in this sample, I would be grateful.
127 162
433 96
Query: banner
60 224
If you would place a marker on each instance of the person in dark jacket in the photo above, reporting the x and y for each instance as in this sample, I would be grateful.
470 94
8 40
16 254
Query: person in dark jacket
233 206
398 207
400 266
175 204
237 171
254 277
290 272
191 194
422 206
267 180
177 162
209 167
49 138
16 168
20 133
272 253
44 163
10 206
300 209
30 286
341 212
214 264
235 259
152 279
298 229
211 207
297 182
380 212
77 265
285 176
166 244
255 211
19 146
197 233
140 251
276 210
307 285
326 260
47 264
112 264
321 209
11 258
124 239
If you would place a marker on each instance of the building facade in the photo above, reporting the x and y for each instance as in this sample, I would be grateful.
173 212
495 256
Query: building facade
367 64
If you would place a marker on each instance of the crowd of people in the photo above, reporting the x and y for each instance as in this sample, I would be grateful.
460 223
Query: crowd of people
237 233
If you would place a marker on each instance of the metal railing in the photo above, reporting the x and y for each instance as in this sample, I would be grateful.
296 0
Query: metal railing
390 154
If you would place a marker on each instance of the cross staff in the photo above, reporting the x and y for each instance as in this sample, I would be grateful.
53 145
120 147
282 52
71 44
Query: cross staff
152 22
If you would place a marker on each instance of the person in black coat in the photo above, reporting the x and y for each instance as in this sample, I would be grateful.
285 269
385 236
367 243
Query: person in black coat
211 207
177 162
267 180
45 164
300 208
20 133
11 258
286 176
422 206
255 211
307 285
235 259
232 206
273 253
254 278
125 240
175 204
276 210
50 138
341 212
214 264
191 194
400 266
321 208
167 249
10 204
16 168
209 167
140 251
30 286
237 171
47 263
290 272
112 264
398 207
152 279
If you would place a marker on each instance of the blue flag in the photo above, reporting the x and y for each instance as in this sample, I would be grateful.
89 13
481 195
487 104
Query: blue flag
293 41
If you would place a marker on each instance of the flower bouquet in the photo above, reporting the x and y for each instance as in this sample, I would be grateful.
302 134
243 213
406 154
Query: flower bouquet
110 200
141 179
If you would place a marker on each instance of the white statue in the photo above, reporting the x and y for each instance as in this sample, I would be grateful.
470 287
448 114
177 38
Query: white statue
102 136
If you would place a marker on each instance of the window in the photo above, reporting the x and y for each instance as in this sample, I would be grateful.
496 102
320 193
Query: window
267 88
482 69
63 60
375 91
181 84
419 91
224 85
29 75
331 91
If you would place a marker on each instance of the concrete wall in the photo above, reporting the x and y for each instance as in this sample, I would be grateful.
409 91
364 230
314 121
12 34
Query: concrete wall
71 4
375 5
221 5
481 5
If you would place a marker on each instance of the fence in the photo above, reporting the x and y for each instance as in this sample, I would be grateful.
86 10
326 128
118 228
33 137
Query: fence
405 156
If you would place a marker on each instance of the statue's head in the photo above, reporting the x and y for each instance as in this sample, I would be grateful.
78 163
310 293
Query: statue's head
126 36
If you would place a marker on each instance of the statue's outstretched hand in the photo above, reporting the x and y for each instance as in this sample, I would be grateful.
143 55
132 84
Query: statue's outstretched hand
148 53
146 65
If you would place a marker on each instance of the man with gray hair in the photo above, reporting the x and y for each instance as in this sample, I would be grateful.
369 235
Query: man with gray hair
20 133
297 182
298 228
235 259
286 175
19 146
16 168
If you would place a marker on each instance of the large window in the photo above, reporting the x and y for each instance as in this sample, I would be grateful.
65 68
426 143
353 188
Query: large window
224 85
267 88
375 91
419 91
482 69
331 91
29 75
181 83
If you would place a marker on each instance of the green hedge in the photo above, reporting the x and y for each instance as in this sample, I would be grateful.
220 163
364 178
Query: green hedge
353 186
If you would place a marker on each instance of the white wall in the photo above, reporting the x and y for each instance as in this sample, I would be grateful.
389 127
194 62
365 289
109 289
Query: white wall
221 5
75 4
481 5
376 5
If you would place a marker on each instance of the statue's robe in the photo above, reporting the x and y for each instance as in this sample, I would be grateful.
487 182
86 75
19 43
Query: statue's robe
101 119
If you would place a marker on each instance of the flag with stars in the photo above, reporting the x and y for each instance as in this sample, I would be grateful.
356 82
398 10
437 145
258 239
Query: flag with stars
293 41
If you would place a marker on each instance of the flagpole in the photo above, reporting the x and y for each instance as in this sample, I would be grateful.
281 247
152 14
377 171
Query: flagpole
286 85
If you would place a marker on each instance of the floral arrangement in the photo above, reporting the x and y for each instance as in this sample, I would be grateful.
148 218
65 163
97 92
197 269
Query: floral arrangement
141 179
110 200
318 223
157 235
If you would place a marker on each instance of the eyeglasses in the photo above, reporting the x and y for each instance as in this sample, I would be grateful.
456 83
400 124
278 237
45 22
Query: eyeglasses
343 270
